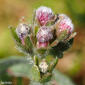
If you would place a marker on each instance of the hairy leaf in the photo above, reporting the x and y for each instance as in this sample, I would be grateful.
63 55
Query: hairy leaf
27 48
6 63
21 70
35 73
63 46
16 38
61 79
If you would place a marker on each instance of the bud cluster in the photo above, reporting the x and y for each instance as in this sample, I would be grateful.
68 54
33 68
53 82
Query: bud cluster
61 28
41 39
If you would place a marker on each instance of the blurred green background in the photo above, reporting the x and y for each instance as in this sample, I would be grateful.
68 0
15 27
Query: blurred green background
73 63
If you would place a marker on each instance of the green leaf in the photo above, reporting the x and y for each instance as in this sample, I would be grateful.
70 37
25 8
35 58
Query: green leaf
35 73
28 45
61 79
62 35
25 70
27 48
46 77
6 63
57 79
53 64
63 46
16 38
54 51
21 70
20 47
60 48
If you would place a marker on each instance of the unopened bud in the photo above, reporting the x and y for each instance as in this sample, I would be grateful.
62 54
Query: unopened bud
44 35
64 27
44 14
22 31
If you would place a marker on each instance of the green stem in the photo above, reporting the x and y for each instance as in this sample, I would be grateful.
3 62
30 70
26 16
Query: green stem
19 81
52 66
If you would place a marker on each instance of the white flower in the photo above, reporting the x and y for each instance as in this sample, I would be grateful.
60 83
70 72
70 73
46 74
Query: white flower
43 67
22 30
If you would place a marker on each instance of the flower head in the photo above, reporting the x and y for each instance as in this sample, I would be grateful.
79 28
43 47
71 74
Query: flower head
44 14
44 35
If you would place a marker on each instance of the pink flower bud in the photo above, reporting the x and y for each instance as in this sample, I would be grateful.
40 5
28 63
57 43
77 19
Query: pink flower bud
65 23
22 31
44 35
64 27
43 15
42 44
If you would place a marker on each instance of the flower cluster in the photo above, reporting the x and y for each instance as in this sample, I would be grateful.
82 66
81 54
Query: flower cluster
50 35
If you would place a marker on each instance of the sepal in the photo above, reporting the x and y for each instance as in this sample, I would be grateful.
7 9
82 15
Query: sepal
16 38
46 77
35 73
